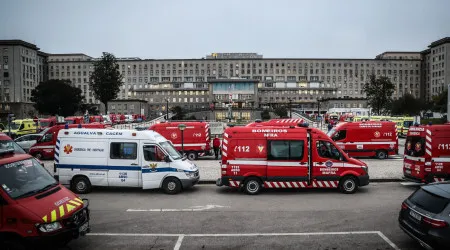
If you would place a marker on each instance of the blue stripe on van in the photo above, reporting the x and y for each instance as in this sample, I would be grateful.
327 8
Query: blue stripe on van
57 153
125 168
57 147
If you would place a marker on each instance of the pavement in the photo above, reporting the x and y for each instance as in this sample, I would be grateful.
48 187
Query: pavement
209 217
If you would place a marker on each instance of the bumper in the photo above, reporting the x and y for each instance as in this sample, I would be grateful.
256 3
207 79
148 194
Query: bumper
426 240
363 180
225 180
73 229
188 183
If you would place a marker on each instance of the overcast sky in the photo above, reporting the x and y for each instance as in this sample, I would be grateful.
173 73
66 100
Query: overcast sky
195 28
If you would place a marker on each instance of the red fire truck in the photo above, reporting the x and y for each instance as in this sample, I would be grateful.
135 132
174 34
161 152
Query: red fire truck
45 146
294 157
74 120
196 137
366 139
276 122
47 122
427 153
35 211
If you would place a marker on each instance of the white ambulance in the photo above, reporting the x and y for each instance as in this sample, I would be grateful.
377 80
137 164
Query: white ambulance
128 158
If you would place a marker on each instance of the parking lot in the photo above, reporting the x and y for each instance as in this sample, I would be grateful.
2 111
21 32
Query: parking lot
208 217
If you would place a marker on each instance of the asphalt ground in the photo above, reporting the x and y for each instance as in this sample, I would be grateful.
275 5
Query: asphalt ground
210 217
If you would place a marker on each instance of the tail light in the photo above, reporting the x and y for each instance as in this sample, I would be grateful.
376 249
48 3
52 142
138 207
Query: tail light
435 223
404 206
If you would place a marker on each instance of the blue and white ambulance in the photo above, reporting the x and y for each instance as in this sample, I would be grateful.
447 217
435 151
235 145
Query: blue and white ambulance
121 158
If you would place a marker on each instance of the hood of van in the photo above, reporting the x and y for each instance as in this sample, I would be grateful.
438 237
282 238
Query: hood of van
356 162
53 207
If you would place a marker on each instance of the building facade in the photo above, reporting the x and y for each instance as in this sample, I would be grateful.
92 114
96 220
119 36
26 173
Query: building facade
189 83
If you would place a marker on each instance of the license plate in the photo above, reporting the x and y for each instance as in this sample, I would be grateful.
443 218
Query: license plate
415 215
408 172
84 227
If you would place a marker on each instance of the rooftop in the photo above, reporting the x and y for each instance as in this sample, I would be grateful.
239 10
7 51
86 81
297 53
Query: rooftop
17 42
439 42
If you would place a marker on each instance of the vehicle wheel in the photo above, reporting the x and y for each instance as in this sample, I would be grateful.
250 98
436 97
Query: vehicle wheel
171 185
252 186
38 155
192 156
348 185
381 154
13 244
81 185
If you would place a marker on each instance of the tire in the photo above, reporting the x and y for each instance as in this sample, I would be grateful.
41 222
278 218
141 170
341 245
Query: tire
348 185
252 186
81 185
38 155
381 154
192 156
171 185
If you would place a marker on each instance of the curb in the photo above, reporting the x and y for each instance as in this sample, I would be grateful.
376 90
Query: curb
370 180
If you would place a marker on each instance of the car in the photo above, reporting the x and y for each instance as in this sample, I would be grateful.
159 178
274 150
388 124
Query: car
26 141
424 215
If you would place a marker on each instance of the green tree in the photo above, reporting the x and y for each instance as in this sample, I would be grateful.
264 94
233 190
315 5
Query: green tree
440 102
56 97
281 111
178 113
408 105
265 115
379 94
106 80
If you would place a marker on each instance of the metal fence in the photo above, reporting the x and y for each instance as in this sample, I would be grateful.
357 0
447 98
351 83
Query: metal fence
143 124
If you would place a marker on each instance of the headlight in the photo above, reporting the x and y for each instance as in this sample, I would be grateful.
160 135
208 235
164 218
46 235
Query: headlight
50 227
190 174
366 169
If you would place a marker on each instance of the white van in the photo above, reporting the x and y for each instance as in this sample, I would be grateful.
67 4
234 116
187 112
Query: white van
128 158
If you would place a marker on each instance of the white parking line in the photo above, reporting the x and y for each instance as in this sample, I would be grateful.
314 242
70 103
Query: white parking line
191 209
182 236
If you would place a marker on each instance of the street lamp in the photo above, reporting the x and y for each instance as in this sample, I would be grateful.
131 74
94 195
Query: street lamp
182 127
167 109
290 108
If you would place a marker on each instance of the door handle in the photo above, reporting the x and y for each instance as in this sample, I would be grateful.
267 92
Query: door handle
320 163
302 163
134 164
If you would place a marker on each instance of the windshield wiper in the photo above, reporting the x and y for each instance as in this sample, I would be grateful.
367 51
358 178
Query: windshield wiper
30 193
48 187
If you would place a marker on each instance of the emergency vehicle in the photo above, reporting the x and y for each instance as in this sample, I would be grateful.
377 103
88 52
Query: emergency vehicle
74 120
366 139
196 137
47 122
36 211
121 158
348 117
275 122
45 146
427 153
96 118
21 127
293 157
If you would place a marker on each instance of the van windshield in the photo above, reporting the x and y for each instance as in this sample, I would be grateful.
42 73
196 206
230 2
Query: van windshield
331 132
24 178
70 121
10 144
407 124
15 126
415 146
170 150
45 124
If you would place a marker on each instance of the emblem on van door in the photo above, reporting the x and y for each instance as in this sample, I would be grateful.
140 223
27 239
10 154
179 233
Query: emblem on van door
377 134
174 135
68 149
153 166
329 164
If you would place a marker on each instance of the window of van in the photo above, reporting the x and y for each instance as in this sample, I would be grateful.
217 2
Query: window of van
340 135
326 149
123 150
46 138
153 153
415 146
285 150
21 126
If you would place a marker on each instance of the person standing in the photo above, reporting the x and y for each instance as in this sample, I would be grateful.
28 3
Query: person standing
216 146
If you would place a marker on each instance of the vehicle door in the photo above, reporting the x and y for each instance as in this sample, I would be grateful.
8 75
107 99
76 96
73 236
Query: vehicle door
287 162
123 163
327 160
154 165
21 141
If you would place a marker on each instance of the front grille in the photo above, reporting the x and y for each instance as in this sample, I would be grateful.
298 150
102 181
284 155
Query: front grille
77 219
196 173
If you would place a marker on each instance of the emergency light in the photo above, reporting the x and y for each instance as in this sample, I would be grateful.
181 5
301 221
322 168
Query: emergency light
66 126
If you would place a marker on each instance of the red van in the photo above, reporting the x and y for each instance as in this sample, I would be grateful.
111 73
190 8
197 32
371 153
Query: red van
276 122
96 118
47 122
74 120
36 212
427 154
294 157
196 137
45 146
366 139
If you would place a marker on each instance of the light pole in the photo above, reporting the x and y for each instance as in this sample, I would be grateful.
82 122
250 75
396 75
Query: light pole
167 109
182 127
290 108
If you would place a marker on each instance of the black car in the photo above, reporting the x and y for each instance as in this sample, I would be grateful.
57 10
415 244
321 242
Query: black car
425 216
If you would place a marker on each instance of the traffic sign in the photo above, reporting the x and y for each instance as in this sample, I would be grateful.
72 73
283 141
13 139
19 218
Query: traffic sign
35 119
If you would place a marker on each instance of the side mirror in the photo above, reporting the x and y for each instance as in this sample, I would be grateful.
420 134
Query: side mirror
167 158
